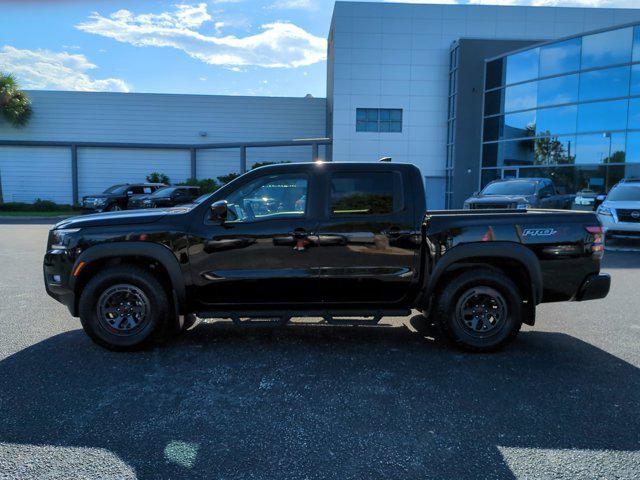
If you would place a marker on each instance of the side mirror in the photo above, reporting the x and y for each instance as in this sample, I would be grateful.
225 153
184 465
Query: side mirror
129 193
545 194
476 193
219 211
601 198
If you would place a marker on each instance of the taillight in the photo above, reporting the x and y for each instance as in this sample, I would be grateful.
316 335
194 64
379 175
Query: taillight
597 245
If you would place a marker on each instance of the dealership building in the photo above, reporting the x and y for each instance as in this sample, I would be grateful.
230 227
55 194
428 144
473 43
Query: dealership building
468 93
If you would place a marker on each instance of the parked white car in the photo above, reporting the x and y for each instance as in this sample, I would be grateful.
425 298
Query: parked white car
620 211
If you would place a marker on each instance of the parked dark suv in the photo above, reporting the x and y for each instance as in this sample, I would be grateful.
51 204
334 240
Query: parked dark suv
117 197
519 193
171 197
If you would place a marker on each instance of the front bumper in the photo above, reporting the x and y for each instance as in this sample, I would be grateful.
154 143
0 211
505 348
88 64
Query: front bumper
614 228
595 286
57 270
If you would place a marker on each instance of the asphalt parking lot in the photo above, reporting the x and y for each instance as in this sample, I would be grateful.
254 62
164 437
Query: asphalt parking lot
315 401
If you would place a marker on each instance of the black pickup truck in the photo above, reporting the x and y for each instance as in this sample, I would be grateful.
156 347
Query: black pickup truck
347 242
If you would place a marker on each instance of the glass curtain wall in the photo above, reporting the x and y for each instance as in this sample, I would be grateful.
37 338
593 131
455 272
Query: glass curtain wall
567 110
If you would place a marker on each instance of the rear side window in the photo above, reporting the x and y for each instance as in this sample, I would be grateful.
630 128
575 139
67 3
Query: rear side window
366 193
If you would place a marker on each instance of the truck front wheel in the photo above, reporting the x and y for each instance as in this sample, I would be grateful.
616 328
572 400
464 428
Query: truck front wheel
480 310
124 308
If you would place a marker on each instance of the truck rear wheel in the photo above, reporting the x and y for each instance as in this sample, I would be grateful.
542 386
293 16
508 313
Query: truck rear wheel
124 308
480 310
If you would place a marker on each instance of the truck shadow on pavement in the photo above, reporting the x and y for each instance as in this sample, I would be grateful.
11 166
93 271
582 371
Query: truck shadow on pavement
316 402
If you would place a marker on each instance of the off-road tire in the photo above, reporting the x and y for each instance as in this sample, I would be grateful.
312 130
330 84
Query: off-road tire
453 326
158 308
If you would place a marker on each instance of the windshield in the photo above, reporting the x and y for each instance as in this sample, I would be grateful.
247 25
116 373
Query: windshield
625 193
515 187
116 189
164 192
202 198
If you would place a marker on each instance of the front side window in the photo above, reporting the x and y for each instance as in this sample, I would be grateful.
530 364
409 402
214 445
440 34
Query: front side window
370 193
379 120
269 197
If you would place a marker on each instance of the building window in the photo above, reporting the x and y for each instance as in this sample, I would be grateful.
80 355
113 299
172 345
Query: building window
523 66
607 48
561 57
379 120
607 83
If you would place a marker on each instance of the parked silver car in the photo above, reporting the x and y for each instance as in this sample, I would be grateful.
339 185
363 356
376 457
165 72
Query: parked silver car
620 211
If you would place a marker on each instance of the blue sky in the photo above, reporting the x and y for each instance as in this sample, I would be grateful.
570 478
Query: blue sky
227 47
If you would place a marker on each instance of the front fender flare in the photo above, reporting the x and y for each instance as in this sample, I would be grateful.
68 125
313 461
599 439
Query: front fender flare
498 250
153 251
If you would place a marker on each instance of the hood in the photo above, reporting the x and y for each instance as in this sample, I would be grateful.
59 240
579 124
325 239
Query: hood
102 195
126 217
499 199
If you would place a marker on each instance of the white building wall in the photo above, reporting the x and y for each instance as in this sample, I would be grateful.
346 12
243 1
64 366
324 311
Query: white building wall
389 55
29 173
147 118
99 168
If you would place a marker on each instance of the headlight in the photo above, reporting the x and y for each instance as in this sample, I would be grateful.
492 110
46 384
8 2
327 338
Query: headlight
602 210
101 201
60 238
522 206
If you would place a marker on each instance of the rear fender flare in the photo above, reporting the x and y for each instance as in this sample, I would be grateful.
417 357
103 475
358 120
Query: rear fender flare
497 250
153 251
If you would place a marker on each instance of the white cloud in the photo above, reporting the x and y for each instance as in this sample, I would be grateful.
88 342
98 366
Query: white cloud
535 3
293 5
279 44
47 70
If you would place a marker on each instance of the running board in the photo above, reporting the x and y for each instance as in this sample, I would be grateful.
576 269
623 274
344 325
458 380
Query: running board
331 317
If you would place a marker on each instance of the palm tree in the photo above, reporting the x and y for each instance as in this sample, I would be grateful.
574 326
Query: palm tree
15 106
14 103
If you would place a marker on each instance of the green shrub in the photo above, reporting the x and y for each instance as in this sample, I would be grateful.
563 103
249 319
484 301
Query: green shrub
37 206
155 177
207 185
224 179
45 206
